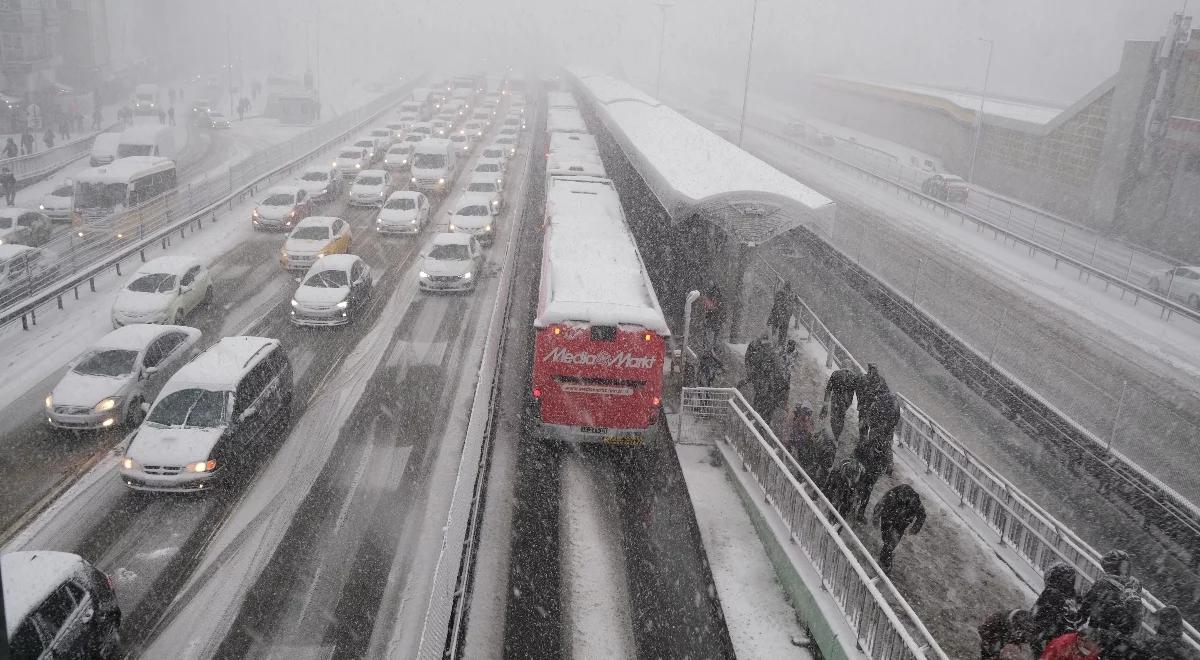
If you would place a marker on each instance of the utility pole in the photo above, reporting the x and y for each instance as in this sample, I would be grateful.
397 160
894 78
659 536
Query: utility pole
662 38
746 85
229 60
987 74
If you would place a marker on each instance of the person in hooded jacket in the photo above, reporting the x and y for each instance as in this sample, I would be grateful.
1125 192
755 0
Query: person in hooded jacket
1001 630
1167 641
782 310
757 354
1114 586
839 393
874 448
1056 610
869 387
841 485
899 510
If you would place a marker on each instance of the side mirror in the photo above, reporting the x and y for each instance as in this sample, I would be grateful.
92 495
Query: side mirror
145 407
150 370
248 413
449 212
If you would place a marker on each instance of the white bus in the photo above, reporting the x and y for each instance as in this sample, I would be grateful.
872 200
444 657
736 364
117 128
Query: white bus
104 195
145 99
147 140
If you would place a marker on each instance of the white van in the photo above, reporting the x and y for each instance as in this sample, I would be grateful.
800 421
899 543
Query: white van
433 165
147 140
145 99
104 149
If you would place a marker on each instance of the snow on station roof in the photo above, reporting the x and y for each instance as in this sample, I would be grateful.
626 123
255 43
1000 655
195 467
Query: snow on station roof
694 171
592 271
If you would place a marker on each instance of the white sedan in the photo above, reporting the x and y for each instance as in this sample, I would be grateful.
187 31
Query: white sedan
164 290
107 385
404 212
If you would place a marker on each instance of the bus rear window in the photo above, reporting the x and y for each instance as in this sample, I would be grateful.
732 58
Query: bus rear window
604 332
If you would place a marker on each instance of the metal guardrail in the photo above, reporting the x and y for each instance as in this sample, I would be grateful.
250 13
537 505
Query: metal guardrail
1167 307
37 165
80 260
882 620
1022 525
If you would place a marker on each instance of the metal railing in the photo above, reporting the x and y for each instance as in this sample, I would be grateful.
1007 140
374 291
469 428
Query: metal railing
77 260
1022 525
884 624
36 165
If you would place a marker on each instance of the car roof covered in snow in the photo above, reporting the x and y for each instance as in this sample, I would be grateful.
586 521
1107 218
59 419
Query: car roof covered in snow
405 194
317 221
592 271
174 265
447 238
686 164
379 173
10 250
323 169
482 177
31 576
221 365
136 336
334 262
473 198
283 189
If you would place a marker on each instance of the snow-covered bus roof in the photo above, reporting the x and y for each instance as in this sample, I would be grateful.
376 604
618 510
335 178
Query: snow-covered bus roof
691 169
573 143
143 134
561 100
592 271
565 120
123 170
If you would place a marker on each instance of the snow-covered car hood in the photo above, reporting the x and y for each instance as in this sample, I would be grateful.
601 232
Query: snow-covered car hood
398 216
77 389
315 295
312 187
446 267
345 162
273 212
132 302
55 202
304 246
172 446
470 221
361 189
8 236
396 159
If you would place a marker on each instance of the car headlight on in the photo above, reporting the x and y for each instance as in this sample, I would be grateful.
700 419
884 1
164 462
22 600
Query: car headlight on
49 401
294 303
423 275
202 466
487 228
333 164
414 221
107 404
467 275
495 202
358 166
254 213
343 305
42 207
452 227
128 463
323 191
413 180
441 181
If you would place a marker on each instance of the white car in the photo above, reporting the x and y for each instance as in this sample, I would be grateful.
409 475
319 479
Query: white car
333 289
495 152
409 116
1183 283
398 129
475 215
484 184
384 137
472 129
413 139
371 188
59 203
441 127
320 183
371 145
24 227
107 385
452 263
351 160
508 142
163 290
396 159
495 168
312 239
461 142
281 207
422 128
515 122
404 212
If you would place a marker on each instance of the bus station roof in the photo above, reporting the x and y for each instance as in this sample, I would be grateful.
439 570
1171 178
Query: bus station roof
694 171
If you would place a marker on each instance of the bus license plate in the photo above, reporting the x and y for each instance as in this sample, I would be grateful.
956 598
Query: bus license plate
627 439
598 430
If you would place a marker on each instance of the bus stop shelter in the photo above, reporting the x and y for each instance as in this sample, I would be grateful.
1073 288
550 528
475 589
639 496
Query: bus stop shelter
722 203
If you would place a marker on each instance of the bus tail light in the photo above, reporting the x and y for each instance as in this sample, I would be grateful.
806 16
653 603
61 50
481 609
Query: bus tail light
537 393
648 336
657 401
557 330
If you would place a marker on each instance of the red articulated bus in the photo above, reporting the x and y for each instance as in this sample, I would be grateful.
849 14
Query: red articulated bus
600 333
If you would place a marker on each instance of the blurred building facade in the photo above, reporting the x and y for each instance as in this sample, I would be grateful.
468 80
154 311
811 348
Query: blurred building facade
1123 159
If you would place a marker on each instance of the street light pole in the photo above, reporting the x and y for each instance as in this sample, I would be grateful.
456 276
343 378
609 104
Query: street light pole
746 85
987 74
662 38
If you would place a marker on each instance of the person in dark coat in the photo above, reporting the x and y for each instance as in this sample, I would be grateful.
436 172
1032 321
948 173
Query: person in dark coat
1056 610
11 150
27 142
800 433
1002 629
870 386
820 454
97 117
757 354
899 510
839 393
48 138
771 388
714 313
1167 641
1109 589
874 448
171 115
782 310
64 128
709 369
841 487
9 183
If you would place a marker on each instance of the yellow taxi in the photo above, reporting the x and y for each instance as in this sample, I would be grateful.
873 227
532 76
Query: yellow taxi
313 238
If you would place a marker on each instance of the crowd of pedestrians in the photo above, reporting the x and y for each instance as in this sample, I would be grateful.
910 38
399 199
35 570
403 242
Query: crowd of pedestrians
1103 622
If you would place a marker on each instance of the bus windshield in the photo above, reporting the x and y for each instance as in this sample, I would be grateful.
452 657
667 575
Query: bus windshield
100 195
429 161
126 150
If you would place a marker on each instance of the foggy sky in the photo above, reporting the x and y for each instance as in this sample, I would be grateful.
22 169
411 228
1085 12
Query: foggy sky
1052 50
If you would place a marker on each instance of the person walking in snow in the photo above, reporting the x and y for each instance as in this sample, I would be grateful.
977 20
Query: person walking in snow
48 138
874 448
171 116
714 313
756 356
709 369
11 150
870 386
800 434
1114 586
97 117
771 387
1167 642
841 487
839 393
899 510
782 310
9 183
27 142
1056 610
1003 630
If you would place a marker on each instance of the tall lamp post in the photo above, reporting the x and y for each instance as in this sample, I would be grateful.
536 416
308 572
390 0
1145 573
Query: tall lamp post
987 74
662 38
746 85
